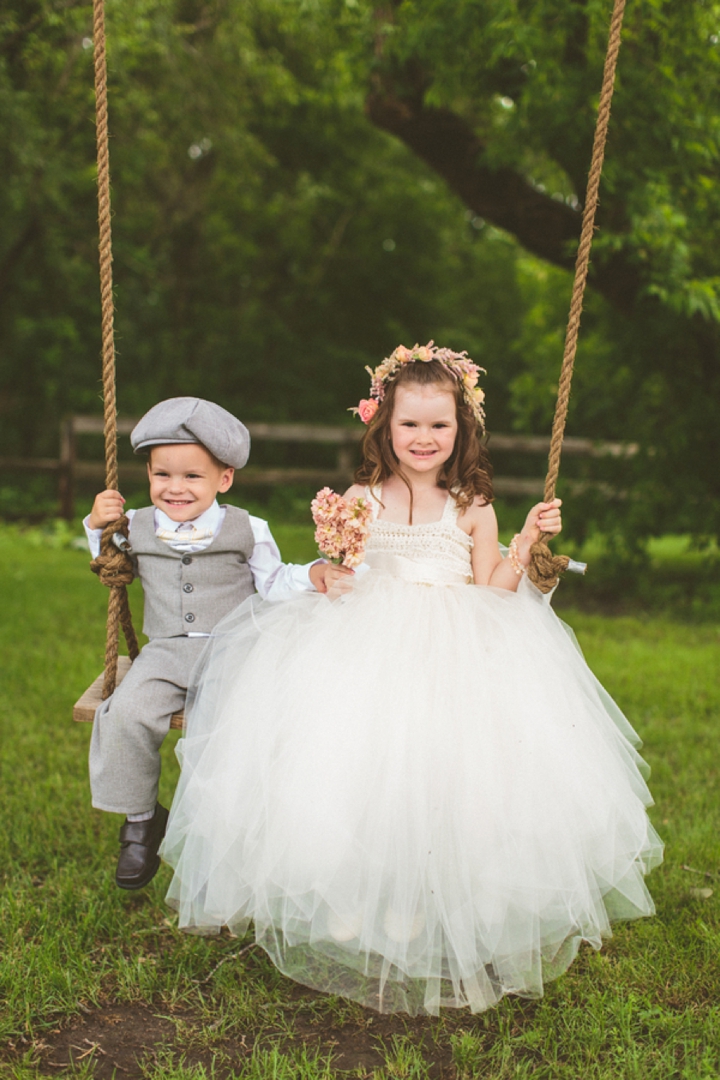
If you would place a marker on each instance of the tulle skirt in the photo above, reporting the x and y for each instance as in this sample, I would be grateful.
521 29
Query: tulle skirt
419 795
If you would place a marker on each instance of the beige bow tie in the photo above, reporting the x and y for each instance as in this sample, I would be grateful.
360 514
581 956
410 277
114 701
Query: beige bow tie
184 535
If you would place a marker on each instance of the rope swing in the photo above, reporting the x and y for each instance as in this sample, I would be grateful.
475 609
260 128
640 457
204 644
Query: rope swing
545 568
113 566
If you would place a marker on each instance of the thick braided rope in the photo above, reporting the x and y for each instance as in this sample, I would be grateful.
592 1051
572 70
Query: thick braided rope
113 573
545 567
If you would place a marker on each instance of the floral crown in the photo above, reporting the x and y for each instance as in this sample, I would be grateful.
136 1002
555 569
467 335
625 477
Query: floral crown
459 365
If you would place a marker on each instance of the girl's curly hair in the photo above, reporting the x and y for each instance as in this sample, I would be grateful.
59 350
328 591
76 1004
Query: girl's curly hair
466 474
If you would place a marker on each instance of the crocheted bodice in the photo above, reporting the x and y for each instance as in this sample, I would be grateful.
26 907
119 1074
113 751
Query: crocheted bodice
437 553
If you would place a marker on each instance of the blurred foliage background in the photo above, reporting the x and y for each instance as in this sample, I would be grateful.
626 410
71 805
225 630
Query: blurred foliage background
300 185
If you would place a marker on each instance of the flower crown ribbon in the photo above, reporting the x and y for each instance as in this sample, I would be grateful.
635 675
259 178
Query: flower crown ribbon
459 365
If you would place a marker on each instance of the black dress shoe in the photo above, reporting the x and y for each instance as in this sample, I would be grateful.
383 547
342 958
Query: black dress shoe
139 842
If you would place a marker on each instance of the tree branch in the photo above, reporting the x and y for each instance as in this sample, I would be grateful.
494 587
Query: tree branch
546 227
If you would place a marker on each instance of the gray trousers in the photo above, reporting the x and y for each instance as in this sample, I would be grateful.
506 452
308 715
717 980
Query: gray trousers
130 726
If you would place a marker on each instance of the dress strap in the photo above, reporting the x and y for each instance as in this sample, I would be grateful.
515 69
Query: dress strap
450 510
373 495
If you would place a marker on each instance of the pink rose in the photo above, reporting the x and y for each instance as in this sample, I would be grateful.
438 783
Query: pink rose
402 354
367 409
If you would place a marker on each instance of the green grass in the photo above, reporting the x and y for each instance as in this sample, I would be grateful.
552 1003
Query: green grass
72 946
675 577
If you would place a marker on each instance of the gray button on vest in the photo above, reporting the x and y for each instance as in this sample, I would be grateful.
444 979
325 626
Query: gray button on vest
189 617
188 587
186 560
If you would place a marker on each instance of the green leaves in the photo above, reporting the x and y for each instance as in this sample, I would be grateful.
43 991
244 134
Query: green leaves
269 241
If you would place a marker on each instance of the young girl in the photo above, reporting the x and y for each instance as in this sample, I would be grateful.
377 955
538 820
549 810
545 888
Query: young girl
414 786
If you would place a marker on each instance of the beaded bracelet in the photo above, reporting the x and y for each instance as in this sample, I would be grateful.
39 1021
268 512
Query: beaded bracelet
514 558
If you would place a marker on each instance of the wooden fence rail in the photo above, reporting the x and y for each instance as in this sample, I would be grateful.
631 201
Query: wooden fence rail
69 468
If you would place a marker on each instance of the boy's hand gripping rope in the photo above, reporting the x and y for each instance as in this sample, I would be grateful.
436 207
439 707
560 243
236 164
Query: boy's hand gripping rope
545 568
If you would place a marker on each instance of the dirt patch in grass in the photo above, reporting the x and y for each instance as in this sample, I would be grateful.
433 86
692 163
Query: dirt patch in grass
114 1040
123 1042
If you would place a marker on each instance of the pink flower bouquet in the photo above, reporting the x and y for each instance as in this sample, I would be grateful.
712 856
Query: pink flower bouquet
342 527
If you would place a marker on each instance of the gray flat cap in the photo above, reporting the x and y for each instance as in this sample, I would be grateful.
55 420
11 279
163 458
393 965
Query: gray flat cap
193 420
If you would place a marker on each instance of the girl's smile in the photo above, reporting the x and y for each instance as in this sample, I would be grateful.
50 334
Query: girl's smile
423 427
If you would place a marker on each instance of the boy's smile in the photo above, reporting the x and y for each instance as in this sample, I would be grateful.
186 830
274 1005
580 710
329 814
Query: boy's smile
185 479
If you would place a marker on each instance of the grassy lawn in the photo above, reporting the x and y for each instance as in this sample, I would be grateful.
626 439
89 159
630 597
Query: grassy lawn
93 979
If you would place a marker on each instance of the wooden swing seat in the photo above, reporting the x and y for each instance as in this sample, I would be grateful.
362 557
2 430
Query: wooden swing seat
84 708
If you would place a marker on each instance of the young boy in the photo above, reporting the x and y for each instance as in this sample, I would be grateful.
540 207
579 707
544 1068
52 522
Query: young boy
197 560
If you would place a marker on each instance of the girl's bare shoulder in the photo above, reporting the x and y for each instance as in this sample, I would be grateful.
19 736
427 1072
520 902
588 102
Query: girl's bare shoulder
356 491
479 520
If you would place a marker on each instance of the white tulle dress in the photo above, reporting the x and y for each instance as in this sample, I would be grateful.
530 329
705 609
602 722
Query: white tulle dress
418 793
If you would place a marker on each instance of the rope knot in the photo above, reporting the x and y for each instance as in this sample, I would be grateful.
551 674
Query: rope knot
545 568
113 567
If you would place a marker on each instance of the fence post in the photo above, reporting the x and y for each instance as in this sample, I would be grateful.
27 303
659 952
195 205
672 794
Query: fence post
66 472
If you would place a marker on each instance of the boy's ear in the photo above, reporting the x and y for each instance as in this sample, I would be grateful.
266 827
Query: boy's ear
226 480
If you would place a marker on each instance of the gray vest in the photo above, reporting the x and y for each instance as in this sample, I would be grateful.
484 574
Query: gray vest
192 592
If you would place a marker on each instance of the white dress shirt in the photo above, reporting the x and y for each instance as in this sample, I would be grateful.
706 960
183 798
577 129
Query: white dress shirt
273 579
